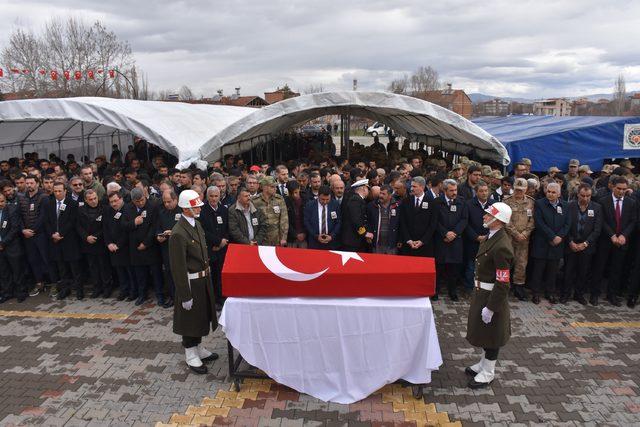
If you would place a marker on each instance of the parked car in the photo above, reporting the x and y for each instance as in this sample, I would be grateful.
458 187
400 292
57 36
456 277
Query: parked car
377 129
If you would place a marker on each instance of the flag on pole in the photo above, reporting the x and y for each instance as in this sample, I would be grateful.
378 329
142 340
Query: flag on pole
67 74
77 75
112 73
90 74
54 75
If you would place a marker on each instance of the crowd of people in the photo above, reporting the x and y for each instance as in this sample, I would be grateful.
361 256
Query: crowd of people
107 223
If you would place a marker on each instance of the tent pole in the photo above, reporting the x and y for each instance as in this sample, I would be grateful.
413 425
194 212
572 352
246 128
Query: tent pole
82 141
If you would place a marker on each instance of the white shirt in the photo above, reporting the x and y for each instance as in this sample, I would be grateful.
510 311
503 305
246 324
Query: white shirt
492 232
448 201
326 212
190 220
435 196
419 202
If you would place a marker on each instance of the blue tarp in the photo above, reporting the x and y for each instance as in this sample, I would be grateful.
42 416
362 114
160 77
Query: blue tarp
552 141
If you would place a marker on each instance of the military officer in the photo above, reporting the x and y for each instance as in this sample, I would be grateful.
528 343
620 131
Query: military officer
489 323
274 209
519 229
353 233
573 180
194 312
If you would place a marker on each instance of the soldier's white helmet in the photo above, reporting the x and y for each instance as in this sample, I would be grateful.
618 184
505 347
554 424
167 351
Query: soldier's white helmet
500 211
189 199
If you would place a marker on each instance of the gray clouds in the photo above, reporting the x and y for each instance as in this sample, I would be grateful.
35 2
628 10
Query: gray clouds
506 48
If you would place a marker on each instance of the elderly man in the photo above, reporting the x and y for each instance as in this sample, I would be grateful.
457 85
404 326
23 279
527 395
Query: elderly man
91 233
354 232
552 224
337 189
252 184
168 216
194 313
453 217
141 219
383 215
247 225
274 210
215 223
489 321
417 222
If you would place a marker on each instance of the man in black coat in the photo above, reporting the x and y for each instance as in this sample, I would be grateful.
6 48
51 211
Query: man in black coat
354 229
141 219
586 223
417 222
61 214
90 230
383 215
552 225
467 190
322 221
453 217
619 222
475 232
168 216
12 283
116 238
214 218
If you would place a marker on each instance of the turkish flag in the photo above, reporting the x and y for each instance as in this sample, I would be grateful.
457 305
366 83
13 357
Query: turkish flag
42 72
112 73
67 74
1 73
77 75
261 271
15 71
54 75
90 74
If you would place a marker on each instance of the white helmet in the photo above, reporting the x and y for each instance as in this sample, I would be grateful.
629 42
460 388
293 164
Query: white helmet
189 199
500 211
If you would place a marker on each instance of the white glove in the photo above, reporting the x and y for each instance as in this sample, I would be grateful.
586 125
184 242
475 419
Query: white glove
487 315
187 304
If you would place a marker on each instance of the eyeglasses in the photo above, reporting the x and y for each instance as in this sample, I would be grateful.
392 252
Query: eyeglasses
77 185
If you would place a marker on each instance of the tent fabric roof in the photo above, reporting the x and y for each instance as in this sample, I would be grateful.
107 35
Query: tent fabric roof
552 141
408 116
179 128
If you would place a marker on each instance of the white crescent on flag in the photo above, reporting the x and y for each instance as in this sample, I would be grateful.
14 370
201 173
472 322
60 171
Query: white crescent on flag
270 259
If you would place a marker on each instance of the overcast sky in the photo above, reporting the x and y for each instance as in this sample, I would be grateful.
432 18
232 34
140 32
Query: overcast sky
506 48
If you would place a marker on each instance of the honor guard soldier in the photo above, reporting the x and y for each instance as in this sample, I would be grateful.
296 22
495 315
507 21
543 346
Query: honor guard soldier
519 229
354 234
489 323
194 312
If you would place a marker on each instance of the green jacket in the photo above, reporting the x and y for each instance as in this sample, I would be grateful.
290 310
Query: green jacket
188 254
494 258
98 188
238 228
276 216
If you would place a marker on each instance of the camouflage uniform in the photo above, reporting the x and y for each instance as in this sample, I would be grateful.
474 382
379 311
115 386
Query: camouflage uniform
277 219
521 223
573 184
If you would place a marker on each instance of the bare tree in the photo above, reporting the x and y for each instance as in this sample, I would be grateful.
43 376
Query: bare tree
317 88
86 52
186 94
619 95
422 80
400 86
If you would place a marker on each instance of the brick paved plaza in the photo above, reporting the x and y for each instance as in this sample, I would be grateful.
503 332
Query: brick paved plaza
101 362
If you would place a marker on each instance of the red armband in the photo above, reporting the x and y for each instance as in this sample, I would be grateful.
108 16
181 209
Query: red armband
503 276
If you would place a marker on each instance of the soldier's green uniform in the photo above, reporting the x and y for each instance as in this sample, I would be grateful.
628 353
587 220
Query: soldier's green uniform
275 213
521 223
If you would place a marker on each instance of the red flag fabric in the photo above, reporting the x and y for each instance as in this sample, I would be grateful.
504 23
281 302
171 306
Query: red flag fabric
54 75
77 75
112 73
67 74
1 73
42 72
25 71
288 272
15 71
100 71
90 74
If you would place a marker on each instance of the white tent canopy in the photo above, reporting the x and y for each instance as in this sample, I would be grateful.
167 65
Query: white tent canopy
410 117
178 128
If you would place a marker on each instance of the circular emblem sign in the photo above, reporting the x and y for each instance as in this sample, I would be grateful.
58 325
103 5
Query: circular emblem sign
633 137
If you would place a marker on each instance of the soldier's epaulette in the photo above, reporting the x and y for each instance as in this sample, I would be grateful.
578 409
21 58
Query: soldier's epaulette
506 197
278 196
362 231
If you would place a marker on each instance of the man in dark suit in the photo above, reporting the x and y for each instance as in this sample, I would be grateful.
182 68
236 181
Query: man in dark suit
552 225
453 217
214 218
618 224
12 283
90 231
322 221
141 218
475 232
434 190
61 213
354 230
417 222
116 238
168 216
468 189
586 222
383 215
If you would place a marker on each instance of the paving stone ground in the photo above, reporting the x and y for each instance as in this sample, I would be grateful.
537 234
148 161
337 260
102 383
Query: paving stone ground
561 367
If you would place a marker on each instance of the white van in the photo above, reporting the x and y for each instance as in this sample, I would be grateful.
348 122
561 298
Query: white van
377 129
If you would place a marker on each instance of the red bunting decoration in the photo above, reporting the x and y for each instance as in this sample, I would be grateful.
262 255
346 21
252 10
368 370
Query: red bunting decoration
100 71
25 71
54 75
42 72
77 75
112 73
90 74
67 74
1 73
15 71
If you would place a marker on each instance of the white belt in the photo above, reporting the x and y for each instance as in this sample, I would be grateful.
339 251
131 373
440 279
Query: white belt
198 275
484 285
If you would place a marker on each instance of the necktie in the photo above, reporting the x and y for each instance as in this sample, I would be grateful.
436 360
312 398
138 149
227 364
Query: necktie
324 219
417 202
618 216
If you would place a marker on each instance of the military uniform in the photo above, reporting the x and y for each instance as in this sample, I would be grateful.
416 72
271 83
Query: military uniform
354 224
276 217
521 223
